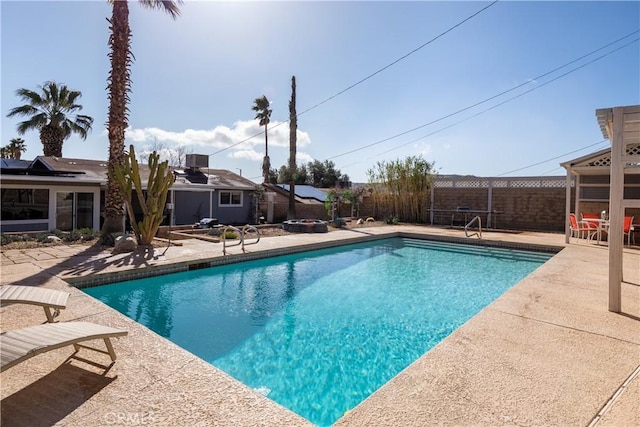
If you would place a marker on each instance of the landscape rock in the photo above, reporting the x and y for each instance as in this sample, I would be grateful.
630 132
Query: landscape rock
124 244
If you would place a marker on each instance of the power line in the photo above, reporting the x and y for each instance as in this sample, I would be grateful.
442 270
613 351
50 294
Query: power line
496 96
367 77
399 59
551 159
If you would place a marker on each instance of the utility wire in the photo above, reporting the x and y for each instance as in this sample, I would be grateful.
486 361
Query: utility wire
399 59
506 101
498 95
367 77
553 158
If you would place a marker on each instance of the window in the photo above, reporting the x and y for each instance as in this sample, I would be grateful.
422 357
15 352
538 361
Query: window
230 198
20 204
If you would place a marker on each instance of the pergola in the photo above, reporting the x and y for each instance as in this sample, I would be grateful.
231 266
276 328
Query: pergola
621 126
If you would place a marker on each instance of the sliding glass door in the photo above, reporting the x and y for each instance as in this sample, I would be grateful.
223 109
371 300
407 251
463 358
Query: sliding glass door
74 211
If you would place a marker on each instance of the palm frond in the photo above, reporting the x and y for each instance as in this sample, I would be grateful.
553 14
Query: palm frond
34 123
169 6
23 110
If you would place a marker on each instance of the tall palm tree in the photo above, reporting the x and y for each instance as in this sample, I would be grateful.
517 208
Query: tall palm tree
293 139
263 113
16 147
119 86
54 114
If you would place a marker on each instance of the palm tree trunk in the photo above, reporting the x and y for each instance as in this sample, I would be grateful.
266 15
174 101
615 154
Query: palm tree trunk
266 163
119 83
293 139
51 138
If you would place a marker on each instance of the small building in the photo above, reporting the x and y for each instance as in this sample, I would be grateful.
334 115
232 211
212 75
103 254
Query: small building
50 193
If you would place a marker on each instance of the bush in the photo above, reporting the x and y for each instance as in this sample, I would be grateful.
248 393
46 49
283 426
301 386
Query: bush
392 220
215 232
230 235
83 234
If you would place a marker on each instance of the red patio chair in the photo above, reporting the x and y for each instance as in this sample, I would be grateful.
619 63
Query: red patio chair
626 229
581 228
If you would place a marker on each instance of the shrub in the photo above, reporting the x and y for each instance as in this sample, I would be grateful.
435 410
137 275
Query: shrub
215 232
230 235
392 220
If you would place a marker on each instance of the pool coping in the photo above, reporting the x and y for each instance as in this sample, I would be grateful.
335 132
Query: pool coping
115 277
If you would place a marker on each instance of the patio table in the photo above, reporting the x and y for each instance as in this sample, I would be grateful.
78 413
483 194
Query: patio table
603 226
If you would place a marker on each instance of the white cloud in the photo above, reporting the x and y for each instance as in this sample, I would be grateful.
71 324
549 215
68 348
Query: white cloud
244 141
247 154
303 158
247 134
423 149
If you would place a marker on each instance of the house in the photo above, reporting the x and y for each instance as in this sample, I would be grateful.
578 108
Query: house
61 193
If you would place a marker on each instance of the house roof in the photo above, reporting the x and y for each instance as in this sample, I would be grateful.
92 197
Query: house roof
95 171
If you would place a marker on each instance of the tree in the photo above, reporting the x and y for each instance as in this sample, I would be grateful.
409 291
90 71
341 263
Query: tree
285 176
263 113
293 130
119 86
324 174
14 150
177 157
272 176
53 113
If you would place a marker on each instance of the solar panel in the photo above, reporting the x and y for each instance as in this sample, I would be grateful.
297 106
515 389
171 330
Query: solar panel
306 192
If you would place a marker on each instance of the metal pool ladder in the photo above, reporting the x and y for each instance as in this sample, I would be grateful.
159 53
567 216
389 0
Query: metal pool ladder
470 223
241 240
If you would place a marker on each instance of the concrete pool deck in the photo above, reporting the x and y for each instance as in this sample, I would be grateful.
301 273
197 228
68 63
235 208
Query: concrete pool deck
547 352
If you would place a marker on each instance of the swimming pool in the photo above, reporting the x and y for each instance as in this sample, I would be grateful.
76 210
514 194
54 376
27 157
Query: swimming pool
320 331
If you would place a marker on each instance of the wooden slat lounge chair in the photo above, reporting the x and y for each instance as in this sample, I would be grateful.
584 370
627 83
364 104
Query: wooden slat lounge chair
48 299
21 344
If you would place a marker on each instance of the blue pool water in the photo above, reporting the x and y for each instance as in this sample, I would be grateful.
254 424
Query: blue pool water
320 331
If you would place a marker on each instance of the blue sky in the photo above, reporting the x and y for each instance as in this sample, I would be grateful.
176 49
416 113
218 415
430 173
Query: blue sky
195 79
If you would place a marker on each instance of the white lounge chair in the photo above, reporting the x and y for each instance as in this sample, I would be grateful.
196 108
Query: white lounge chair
46 298
21 344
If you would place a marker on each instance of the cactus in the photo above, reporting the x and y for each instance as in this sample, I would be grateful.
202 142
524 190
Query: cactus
160 180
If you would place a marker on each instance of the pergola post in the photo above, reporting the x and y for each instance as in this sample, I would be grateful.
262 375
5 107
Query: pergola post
616 209
489 203
567 208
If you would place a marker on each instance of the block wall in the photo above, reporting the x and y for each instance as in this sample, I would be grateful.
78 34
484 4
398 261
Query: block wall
537 209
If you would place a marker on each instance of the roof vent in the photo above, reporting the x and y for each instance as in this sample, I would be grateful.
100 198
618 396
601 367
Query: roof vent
197 161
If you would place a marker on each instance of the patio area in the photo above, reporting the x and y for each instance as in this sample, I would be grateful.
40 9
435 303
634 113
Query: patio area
547 352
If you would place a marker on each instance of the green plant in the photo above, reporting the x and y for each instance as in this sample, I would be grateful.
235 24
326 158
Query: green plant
391 220
215 232
153 202
229 235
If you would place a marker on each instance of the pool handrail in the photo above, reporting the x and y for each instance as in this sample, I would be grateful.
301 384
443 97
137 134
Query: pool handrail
479 232
240 237
250 228
224 239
